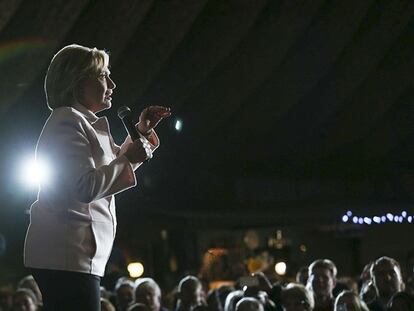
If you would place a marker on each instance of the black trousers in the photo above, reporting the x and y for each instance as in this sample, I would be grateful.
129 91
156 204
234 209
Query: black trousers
66 290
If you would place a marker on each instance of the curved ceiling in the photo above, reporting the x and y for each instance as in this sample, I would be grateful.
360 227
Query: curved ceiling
285 104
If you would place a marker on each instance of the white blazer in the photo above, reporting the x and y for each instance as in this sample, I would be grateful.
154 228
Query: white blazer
73 221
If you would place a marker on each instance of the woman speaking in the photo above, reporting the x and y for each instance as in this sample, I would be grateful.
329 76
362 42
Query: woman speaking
73 221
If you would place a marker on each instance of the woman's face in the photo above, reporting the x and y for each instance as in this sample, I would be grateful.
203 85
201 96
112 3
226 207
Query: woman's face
97 91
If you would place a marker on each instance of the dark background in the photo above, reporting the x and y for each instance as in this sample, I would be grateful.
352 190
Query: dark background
293 113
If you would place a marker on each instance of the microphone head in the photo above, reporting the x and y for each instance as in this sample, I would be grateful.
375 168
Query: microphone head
123 112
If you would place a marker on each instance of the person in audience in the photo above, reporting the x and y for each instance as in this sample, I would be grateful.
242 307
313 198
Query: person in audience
24 300
365 276
387 280
232 299
401 302
30 283
124 293
216 298
302 275
295 297
275 295
106 305
346 283
249 304
409 286
148 293
105 293
349 301
262 290
321 282
368 292
190 294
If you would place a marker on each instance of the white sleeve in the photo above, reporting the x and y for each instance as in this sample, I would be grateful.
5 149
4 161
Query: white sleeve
153 141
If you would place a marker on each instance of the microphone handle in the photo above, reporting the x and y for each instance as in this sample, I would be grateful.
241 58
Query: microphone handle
129 126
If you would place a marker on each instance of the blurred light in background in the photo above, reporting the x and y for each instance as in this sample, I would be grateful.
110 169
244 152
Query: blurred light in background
280 268
368 220
135 269
178 125
34 172
388 217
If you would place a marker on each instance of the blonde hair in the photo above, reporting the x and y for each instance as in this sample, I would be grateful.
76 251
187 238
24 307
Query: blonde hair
67 71
144 283
357 302
298 292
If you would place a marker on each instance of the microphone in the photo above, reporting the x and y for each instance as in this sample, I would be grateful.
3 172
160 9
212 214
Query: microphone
124 113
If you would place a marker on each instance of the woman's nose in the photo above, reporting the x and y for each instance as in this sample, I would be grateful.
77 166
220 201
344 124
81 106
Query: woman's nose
111 83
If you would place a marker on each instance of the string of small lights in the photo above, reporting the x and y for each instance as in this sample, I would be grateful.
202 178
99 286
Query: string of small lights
404 217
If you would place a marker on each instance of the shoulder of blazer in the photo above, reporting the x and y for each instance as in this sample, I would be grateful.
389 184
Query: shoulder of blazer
67 113
64 115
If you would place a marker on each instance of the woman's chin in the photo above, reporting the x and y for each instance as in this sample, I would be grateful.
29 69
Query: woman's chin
104 106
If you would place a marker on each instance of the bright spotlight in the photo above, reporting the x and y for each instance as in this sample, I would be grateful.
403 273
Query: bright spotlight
34 172
280 268
135 269
178 125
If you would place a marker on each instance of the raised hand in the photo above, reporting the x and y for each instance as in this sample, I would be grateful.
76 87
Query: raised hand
150 117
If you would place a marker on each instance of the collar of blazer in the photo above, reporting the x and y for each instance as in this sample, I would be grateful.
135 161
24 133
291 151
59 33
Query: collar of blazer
89 115
99 124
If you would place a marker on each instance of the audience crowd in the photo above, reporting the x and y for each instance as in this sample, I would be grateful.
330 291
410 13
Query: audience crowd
380 287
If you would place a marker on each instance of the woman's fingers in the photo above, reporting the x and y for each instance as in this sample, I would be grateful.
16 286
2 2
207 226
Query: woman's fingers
151 116
159 111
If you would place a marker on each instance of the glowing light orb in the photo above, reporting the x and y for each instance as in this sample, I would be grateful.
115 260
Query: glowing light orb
178 125
135 269
280 268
